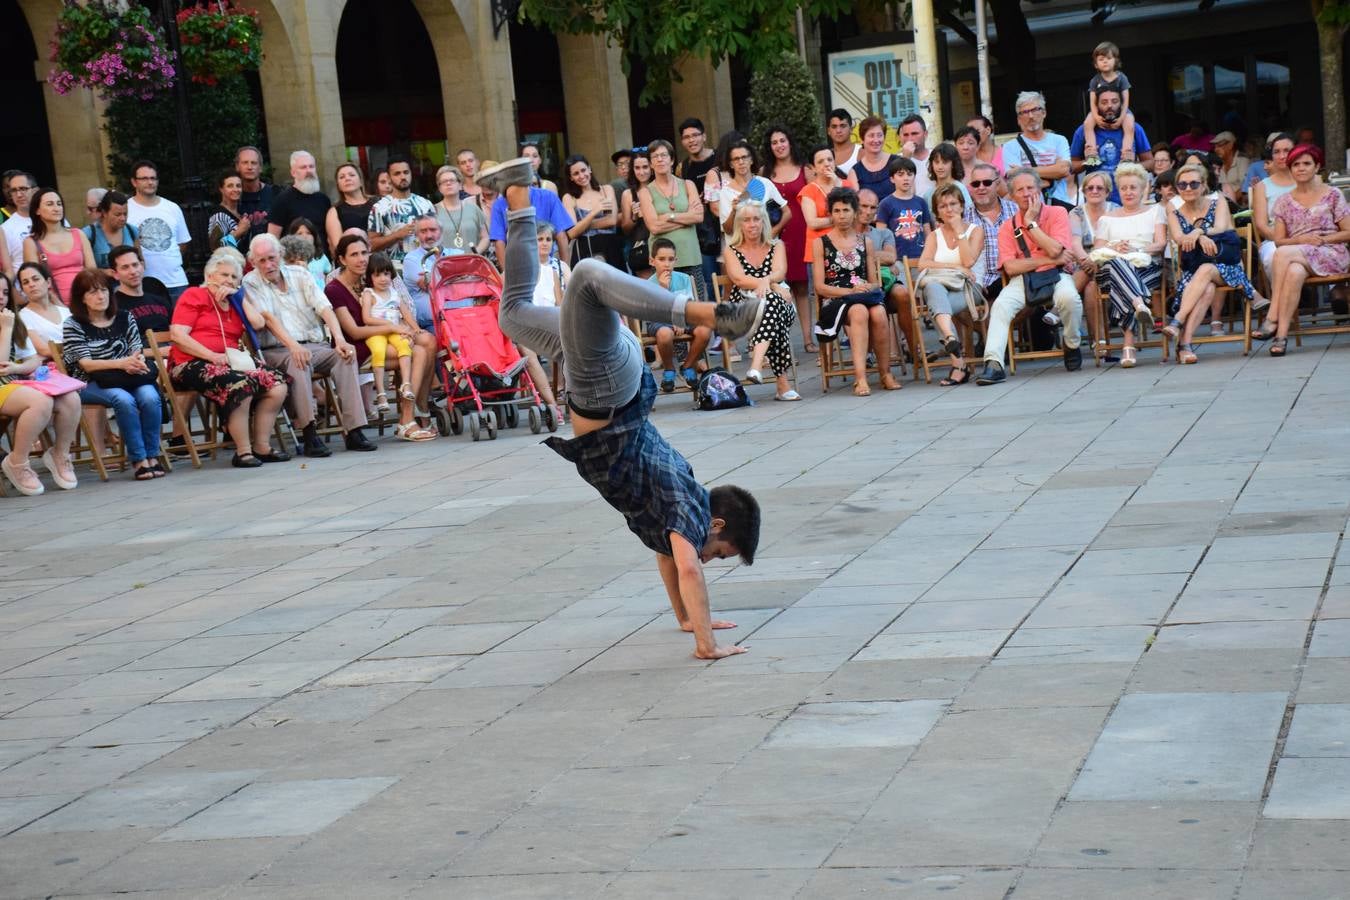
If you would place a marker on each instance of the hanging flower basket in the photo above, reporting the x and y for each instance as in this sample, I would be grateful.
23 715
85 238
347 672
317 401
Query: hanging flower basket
116 51
219 41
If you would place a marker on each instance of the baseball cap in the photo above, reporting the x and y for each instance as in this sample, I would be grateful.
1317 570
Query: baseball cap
1225 137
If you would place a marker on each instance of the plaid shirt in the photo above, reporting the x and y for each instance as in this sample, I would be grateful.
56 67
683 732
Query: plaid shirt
641 475
989 254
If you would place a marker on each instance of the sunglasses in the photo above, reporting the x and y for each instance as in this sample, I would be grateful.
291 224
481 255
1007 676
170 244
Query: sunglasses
1189 185
984 182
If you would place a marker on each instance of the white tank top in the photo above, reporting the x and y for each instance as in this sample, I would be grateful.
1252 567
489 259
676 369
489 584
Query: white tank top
946 254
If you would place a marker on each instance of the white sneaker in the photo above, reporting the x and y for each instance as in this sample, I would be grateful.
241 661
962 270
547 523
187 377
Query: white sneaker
1216 329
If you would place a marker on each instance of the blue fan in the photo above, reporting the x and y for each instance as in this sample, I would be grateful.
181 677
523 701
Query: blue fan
755 190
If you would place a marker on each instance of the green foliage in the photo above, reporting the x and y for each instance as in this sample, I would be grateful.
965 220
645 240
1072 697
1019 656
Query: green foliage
222 118
783 92
218 41
755 31
1332 13
116 51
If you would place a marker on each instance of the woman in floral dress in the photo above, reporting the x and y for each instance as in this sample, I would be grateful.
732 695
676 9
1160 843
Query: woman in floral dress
849 289
1312 227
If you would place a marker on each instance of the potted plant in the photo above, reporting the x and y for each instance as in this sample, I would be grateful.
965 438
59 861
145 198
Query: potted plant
114 50
219 40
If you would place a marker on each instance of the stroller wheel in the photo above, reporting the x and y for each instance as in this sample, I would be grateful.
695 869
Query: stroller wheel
475 425
536 420
442 421
456 419
491 417
511 415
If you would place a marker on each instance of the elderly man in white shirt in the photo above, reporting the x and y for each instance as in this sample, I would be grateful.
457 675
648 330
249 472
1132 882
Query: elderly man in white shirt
295 340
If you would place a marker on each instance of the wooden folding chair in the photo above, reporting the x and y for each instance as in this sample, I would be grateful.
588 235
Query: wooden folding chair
84 451
1339 324
1112 341
182 403
1247 234
966 329
1019 338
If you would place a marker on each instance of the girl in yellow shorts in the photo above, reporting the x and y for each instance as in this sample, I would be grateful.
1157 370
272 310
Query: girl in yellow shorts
382 305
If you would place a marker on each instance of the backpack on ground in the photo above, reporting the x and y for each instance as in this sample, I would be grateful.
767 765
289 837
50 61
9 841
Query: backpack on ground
719 389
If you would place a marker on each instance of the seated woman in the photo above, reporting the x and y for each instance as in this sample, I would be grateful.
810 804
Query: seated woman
1093 203
1198 225
1312 227
756 265
950 262
40 307
29 408
205 324
1264 193
102 346
849 288
1127 246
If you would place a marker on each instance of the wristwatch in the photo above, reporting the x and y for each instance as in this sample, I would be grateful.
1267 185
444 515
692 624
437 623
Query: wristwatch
1032 226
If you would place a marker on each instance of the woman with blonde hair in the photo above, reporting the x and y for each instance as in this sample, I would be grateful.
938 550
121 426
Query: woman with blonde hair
756 264
1127 251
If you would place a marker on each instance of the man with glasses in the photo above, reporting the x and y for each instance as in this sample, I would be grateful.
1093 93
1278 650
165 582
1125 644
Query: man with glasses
163 230
1110 139
623 161
695 167
1044 151
988 210
18 226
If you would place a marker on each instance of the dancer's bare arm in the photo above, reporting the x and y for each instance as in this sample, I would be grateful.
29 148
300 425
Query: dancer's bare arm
694 593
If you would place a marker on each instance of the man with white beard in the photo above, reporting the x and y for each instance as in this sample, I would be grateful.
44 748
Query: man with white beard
304 199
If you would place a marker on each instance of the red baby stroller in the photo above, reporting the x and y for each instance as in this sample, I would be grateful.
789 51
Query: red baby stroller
484 375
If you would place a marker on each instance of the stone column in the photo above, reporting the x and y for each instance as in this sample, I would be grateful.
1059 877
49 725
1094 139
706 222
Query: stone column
705 93
485 114
595 94
74 120
300 86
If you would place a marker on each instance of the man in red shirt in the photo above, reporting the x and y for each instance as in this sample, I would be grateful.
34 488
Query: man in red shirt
1044 230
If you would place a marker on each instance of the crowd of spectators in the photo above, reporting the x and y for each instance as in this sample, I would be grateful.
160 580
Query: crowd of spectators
1078 228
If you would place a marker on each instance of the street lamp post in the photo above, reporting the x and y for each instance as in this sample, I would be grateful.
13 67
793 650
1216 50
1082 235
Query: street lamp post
195 208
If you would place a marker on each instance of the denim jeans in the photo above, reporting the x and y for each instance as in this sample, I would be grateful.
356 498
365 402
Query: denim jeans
139 416
601 355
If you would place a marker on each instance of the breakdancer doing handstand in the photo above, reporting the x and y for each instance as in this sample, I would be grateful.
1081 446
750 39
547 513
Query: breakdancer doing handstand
610 391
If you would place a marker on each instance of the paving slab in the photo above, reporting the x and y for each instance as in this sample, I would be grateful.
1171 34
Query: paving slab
278 809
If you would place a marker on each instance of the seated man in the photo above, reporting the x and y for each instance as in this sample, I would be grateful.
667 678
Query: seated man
294 340
1034 240
419 265
610 392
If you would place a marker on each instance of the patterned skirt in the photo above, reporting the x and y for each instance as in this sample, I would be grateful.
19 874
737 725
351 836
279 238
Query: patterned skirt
222 385
1231 275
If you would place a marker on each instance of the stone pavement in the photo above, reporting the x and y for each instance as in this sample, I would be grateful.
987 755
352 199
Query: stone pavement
1075 636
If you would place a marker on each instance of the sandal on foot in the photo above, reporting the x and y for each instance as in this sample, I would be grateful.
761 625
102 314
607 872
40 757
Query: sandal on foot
811 347
145 473
158 469
24 479
1279 347
406 392
1186 355
1128 358
246 461
413 432
1172 329
952 381
754 376
952 344
381 403
1265 332
889 383
860 389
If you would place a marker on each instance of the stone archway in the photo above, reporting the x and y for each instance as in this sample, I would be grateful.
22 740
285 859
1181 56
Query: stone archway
78 150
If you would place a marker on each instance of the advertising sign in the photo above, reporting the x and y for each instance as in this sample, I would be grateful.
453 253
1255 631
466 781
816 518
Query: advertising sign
877 81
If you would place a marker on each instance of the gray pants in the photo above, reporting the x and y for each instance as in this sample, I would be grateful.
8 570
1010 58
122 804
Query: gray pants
601 355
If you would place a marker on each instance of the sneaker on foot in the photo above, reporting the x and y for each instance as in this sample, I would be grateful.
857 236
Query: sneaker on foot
668 381
1051 319
498 178
736 320
691 378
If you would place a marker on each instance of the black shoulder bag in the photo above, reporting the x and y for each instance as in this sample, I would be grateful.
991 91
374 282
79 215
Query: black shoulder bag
1039 287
